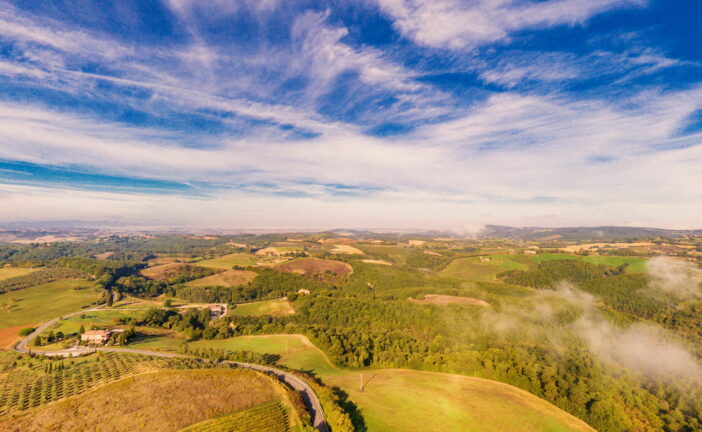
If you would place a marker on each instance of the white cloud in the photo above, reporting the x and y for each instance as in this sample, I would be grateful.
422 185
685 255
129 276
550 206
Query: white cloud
455 24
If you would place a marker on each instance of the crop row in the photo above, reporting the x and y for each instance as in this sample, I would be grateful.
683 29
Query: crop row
269 417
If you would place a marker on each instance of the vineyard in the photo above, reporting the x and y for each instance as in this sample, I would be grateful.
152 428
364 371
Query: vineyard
27 382
268 417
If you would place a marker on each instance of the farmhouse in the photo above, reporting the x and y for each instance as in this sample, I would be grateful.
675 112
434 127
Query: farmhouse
217 310
98 336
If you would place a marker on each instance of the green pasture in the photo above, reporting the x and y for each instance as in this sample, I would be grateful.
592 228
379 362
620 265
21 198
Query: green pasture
43 302
295 351
472 268
399 400
635 264
228 261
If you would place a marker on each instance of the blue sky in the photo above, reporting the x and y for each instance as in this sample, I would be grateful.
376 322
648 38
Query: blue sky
372 113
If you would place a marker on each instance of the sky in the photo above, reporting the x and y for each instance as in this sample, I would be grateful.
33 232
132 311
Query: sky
392 114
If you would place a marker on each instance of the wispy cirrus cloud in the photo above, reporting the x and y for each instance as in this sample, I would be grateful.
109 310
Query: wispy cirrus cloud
307 109
454 24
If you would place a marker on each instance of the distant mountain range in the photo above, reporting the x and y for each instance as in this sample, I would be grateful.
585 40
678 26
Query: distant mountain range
69 232
583 233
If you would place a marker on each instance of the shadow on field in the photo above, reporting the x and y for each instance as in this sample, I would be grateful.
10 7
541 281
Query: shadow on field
359 425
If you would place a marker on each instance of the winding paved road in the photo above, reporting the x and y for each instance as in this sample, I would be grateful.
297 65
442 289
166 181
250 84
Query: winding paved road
308 395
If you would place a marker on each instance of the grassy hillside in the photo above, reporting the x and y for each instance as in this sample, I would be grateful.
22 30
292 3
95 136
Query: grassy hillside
403 400
43 302
485 268
162 402
268 417
10 272
400 400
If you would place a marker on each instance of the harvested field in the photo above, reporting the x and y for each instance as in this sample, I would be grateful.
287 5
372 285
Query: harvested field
438 299
338 241
417 243
169 271
316 268
159 402
229 261
276 308
228 278
168 260
346 249
164 271
375 261
576 248
237 245
10 335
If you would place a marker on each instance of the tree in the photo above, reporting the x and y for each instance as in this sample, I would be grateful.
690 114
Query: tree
26 331
168 303
82 329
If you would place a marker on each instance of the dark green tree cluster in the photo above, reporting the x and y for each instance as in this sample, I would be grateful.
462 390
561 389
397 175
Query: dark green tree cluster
551 272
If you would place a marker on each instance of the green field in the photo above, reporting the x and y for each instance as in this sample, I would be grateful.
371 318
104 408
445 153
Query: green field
552 257
472 268
228 261
295 351
278 307
398 400
99 318
43 302
10 272
636 264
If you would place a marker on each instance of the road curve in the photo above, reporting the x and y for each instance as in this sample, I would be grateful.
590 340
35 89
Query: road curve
308 395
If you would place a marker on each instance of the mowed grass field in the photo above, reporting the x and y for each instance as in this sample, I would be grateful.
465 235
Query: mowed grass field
277 308
228 261
46 301
227 278
159 402
399 400
10 272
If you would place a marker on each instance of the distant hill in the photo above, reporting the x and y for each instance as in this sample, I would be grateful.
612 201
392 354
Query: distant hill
582 233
